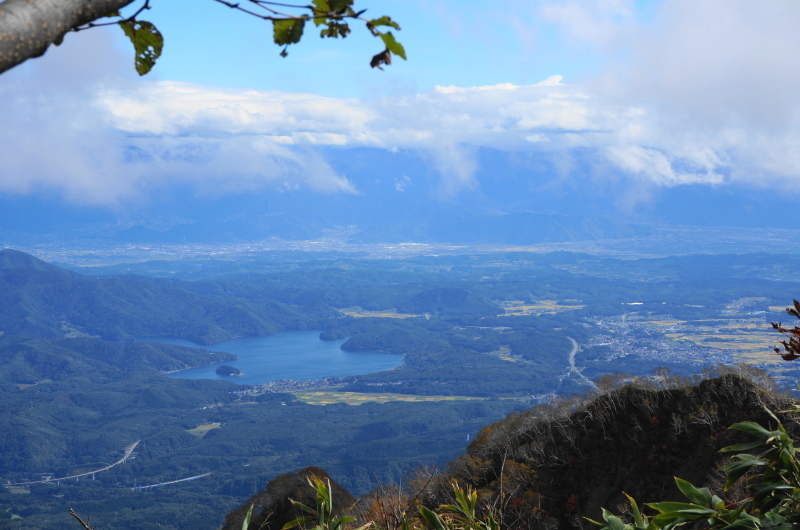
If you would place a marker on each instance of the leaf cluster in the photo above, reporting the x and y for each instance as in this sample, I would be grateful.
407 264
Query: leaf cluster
332 17
321 517
791 347
774 486
463 515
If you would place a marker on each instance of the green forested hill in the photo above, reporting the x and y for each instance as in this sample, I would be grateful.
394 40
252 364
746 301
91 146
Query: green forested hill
29 361
449 301
39 300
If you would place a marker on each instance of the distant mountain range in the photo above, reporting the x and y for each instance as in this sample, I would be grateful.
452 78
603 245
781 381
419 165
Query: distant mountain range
516 200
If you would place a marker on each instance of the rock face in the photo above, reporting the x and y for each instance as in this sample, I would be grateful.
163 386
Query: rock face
551 467
273 506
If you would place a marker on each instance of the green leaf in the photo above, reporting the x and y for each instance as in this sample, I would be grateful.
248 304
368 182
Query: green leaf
742 447
339 6
335 30
382 21
764 490
743 525
664 519
665 507
737 470
698 496
285 32
679 511
615 523
611 522
147 43
772 414
321 7
433 519
752 428
638 518
392 45
300 521
246 522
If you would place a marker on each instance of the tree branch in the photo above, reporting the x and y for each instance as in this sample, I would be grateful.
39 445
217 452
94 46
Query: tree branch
28 27
85 524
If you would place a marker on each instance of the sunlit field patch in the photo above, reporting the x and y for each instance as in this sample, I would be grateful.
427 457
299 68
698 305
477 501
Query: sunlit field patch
504 353
202 430
357 312
666 322
23 386
748 339
520 307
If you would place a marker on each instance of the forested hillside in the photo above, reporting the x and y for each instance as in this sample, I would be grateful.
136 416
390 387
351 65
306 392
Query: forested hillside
38 300
480 336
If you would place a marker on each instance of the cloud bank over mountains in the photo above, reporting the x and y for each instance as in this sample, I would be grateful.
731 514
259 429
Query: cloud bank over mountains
690 93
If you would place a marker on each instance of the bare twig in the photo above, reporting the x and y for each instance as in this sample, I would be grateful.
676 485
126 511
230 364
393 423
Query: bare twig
279 15
84 524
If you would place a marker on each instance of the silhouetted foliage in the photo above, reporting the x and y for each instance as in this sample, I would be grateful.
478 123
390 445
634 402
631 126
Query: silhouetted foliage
791 347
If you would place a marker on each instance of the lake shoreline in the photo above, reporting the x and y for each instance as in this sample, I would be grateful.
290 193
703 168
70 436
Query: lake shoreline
286 356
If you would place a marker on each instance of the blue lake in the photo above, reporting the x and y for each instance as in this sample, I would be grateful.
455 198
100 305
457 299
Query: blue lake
299 355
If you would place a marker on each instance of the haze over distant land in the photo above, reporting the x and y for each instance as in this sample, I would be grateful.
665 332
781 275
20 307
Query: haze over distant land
397 200
529 124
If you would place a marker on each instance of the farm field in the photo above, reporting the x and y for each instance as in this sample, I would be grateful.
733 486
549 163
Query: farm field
357 312
520 307
202 430
746 339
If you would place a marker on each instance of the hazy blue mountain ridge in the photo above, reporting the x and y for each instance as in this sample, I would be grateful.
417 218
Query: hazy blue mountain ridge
40 300
400 197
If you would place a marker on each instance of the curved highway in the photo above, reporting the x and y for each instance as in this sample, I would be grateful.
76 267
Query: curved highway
128 451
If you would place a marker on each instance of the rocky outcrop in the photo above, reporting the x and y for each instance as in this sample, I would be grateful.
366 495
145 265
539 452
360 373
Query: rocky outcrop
273 507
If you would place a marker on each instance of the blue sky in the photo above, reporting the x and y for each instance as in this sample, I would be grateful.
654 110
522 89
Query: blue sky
661 94
467 43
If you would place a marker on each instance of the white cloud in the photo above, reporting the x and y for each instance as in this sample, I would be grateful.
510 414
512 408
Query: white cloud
167 108
690 92
61 132
447 124
656 167
716 81
600 23
402 183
